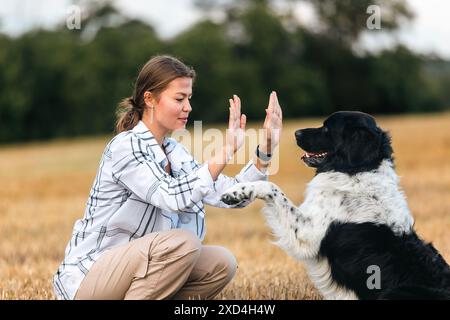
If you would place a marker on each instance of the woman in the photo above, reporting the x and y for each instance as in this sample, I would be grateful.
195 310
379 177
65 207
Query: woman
140 237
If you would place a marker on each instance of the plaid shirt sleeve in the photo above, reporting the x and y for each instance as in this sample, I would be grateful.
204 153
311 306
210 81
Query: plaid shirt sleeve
248 174
135 169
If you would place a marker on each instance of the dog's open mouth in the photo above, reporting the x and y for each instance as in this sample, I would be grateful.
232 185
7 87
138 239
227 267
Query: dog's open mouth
313 159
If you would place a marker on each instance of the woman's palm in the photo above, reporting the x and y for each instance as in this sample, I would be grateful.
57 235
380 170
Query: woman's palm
236 125
273 122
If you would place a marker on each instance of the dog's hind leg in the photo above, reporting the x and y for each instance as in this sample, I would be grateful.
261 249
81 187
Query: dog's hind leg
290 226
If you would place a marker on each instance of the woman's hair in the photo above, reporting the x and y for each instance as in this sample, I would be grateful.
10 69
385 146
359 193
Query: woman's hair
155 76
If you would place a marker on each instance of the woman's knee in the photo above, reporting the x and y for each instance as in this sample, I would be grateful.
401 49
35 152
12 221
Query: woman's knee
226 264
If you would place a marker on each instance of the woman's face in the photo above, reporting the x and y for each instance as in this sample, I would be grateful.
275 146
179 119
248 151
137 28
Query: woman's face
172 110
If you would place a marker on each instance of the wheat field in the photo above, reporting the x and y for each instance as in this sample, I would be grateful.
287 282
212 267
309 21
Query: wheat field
45 187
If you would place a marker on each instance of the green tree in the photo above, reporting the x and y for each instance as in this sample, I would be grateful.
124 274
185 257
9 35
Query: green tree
345 20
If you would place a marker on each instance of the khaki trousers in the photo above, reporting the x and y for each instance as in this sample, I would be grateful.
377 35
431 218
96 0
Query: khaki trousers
162 265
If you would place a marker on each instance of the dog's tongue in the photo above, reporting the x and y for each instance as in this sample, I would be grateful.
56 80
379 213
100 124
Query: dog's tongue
308 154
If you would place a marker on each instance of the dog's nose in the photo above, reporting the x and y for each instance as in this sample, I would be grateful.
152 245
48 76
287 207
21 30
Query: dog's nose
298 134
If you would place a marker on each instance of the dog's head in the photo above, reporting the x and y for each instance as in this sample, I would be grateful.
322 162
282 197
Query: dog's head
349 142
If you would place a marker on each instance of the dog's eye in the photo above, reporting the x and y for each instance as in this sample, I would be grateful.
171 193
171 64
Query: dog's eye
325 129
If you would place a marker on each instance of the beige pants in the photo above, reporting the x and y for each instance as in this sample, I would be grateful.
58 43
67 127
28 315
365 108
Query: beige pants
162 265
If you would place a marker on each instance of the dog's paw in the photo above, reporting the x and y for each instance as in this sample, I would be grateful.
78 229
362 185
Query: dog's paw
238 193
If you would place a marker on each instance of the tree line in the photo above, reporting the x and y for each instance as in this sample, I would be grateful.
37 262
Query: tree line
65 82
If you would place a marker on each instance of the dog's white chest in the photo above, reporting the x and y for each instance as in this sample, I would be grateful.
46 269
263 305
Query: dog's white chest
366 197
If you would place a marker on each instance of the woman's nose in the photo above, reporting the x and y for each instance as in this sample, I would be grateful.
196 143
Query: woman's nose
187 106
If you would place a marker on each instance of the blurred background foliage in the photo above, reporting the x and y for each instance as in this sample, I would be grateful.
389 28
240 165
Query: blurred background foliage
65 82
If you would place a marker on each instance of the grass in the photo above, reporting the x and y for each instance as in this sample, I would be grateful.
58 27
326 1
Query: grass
45 187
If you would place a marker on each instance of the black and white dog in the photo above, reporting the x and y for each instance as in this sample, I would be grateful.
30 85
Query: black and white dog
354 231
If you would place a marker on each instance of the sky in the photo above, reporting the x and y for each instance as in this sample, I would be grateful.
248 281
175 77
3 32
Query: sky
428 33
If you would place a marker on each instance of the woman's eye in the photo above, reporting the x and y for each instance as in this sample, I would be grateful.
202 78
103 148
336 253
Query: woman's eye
180 99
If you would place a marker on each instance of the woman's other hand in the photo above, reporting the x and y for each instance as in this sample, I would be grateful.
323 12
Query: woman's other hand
235 137
272 125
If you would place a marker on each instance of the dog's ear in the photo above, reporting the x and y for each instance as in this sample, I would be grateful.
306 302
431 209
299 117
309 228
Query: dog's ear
362 145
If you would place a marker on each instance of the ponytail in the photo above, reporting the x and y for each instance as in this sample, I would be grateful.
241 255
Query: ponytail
128 115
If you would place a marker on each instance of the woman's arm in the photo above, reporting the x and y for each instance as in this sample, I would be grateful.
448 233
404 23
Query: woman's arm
135 169
249 173
256 169
236 132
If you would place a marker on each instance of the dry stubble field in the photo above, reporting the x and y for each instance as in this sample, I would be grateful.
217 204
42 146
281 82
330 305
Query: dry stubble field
45 187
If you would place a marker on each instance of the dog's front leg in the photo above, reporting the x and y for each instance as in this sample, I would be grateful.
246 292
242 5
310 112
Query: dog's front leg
290 226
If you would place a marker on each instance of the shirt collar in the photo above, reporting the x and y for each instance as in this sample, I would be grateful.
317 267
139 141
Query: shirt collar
145 134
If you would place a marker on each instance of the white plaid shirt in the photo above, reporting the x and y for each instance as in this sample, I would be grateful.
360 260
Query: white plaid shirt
133 195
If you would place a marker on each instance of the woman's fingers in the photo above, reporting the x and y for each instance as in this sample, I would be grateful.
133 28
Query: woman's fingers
271 110
237 102
236 120
270 107
232 114
277 107
243 121
274 105
277 112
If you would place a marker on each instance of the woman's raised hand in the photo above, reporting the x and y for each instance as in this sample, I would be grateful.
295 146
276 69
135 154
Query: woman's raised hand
272 125
236 126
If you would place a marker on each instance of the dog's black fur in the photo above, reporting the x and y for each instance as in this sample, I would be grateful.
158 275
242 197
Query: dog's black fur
409 267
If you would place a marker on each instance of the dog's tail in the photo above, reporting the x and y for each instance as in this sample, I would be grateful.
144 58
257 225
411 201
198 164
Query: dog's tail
415 293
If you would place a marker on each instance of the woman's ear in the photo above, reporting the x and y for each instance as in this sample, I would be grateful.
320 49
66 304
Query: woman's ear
149 99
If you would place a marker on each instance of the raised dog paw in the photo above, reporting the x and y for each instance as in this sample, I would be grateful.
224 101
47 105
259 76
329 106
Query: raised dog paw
238 193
